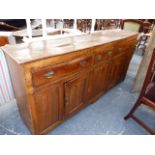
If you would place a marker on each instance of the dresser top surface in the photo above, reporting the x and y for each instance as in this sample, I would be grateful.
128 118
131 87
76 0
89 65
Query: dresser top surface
36 50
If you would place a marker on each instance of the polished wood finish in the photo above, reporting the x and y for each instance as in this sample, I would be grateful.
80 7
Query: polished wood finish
57 71
75 93
51 86
97 81
37 50
49 105
146 97
3 41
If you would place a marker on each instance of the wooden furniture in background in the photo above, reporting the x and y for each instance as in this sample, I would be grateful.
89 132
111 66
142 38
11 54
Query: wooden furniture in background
148 25
147 95
104 24
68 23
3 40
54 79
137 26
12 24
84 25
7 27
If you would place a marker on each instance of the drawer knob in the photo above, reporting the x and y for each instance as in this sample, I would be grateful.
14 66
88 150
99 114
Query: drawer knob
49 75
120 49
110 53
82 63
98 57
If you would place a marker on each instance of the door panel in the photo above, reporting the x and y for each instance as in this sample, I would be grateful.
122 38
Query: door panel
107 75
49 105
75 92
97 81
117 69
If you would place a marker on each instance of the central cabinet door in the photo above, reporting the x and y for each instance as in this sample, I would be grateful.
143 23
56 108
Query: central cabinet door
75 93
49 105
97 81
117 70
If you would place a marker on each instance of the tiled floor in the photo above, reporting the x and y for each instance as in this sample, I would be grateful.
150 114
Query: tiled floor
103 117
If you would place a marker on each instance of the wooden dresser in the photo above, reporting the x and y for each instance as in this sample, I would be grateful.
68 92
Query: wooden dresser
54 79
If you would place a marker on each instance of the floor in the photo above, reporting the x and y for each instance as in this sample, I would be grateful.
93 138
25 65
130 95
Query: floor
104 117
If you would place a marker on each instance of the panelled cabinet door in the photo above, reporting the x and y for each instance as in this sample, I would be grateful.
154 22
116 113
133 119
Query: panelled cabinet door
97 81
116 70
49 105
75 92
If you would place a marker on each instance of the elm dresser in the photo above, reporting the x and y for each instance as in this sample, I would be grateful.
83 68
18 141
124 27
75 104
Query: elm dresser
53 79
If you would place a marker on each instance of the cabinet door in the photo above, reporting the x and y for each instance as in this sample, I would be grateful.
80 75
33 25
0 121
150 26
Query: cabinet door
49 106
117 70
97 81
75 92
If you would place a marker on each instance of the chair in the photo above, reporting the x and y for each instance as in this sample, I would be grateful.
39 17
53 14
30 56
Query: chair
147 27
68 23
147 95
136 26
84 25
132 25
142 42
103 24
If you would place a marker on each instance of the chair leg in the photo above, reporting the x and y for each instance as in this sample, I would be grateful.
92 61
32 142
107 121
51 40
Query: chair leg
137 104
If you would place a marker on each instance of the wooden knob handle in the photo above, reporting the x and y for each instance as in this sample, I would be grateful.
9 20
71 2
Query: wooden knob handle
110 53
82 63
98 57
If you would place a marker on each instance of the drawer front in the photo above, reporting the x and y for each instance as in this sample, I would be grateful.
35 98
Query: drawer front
54 72
103 53
124 45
